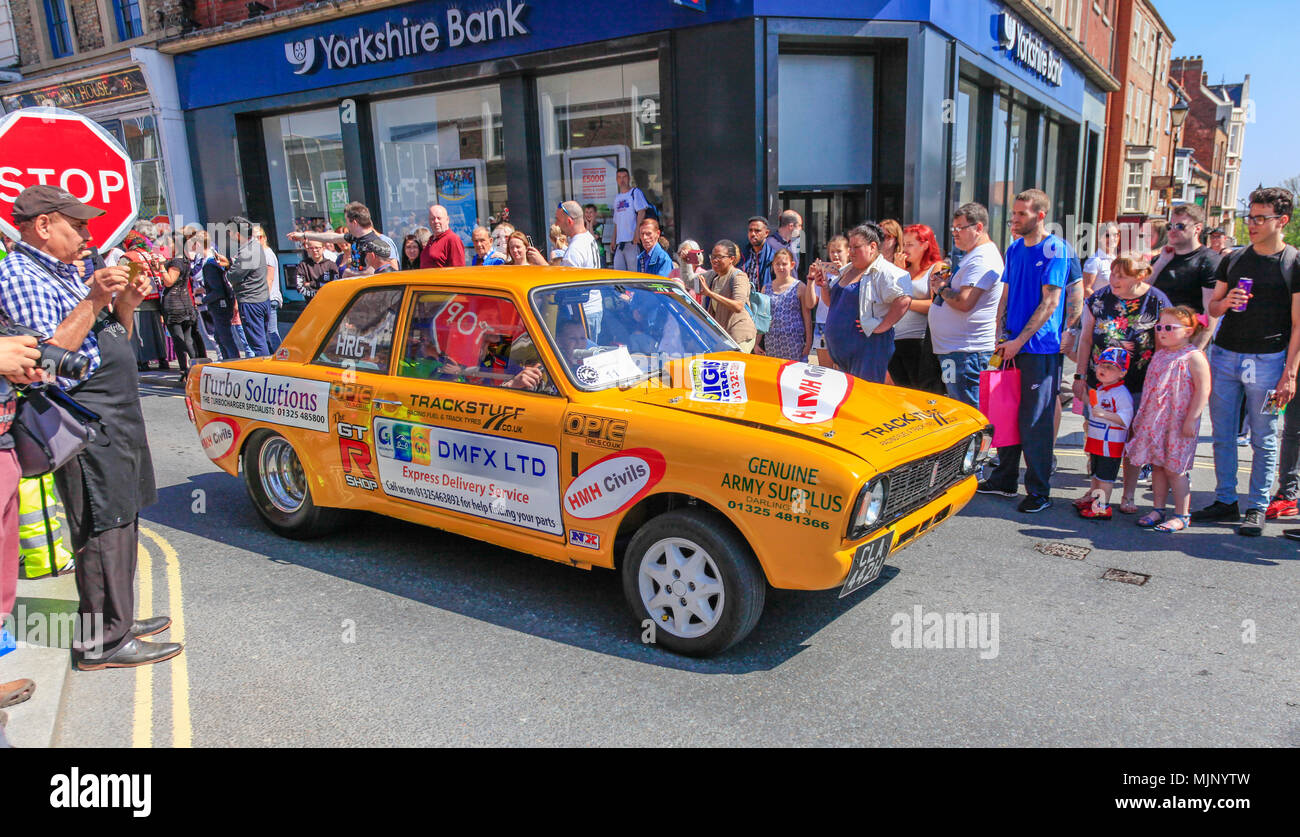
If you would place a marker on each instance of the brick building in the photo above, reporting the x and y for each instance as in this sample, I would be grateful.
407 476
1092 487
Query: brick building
96 57
1140 143
1215 132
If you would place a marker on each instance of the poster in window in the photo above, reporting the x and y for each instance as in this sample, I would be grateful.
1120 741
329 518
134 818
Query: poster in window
460 188
593 178
336 198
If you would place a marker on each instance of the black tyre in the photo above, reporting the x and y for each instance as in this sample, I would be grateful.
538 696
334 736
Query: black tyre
696 579
279 489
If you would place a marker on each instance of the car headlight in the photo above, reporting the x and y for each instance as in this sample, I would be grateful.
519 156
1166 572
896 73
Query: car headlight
971 459
869 507
986 445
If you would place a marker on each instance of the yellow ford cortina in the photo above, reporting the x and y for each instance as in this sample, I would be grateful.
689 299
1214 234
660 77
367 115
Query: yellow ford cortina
596 418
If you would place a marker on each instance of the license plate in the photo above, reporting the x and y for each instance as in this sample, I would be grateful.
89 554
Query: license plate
867 563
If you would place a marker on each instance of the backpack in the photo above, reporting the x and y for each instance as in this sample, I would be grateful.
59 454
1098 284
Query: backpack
650 210
759 309
1289 257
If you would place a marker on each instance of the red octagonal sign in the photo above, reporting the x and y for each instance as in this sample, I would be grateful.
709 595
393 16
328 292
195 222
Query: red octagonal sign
62 148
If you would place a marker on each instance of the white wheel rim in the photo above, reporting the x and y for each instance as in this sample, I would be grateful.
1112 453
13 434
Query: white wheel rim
681 588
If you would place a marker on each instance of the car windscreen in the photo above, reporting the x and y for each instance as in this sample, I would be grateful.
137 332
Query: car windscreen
617 333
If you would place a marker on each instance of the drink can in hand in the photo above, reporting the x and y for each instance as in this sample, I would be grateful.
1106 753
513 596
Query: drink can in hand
1245 283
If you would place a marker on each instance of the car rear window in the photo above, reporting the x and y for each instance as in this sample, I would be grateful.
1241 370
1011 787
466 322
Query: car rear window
363 337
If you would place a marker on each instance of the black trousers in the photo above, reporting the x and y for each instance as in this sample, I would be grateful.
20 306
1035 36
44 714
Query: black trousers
105 570
915 366
187 341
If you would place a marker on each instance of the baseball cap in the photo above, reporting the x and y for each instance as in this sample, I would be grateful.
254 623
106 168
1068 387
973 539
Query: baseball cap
373 244
43 199
1216 231
1115 356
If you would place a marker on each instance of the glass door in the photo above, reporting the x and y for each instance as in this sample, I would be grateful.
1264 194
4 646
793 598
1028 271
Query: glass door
825 215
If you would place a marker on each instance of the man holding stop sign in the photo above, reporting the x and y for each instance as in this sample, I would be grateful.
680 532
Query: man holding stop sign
105 486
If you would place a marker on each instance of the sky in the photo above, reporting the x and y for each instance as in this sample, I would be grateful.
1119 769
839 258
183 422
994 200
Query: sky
1259 37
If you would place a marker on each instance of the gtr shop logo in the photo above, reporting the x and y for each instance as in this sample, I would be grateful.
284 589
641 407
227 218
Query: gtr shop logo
354 454
718 381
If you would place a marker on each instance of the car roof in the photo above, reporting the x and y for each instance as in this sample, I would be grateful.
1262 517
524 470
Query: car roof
499 277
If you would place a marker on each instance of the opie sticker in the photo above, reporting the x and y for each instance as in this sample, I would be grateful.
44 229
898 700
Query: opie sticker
614 483
718 381
217 437
812 394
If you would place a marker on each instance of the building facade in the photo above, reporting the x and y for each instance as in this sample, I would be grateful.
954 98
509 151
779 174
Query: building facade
96 57
720 108
1141 142
1216 132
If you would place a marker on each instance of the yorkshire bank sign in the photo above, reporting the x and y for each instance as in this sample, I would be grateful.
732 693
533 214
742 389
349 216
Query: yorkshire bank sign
407 38
1029 49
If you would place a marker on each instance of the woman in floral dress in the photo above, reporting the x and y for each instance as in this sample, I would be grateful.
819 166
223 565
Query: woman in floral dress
790 335
1122 314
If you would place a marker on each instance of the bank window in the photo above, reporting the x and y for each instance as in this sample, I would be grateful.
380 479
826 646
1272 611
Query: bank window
139 134
129 24
309 184
56 24
445 148
813 152
965 145
594 122
471 339
363 338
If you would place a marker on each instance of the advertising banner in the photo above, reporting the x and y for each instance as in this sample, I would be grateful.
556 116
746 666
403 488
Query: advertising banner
457 188
504 480
293 402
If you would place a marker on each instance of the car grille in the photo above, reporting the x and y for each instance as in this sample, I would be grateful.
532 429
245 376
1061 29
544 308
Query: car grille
910 485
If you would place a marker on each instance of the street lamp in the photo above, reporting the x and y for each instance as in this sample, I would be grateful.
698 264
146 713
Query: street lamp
1177 115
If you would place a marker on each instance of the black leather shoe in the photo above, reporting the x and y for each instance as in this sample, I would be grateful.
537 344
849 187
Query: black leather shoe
134 652
142 628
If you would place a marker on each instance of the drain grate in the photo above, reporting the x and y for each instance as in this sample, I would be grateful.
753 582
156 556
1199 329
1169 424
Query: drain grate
1125 577
1063 550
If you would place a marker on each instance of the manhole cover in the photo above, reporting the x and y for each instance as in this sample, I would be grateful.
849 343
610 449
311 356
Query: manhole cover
1126 577
1063 550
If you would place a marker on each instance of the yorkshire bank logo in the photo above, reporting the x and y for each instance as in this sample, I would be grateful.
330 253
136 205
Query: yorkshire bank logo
407 38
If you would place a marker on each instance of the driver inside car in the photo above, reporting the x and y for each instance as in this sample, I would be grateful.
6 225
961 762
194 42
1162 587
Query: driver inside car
493 369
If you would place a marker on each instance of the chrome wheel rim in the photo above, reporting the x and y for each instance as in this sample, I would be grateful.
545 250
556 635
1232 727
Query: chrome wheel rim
282 477
681 588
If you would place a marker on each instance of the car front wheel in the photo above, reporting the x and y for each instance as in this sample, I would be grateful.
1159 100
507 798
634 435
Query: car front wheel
279 489
696 580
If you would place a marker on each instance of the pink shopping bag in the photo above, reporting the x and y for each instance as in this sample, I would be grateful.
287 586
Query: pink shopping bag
1000 404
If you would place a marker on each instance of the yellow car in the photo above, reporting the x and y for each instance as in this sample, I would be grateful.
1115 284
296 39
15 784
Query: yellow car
597 418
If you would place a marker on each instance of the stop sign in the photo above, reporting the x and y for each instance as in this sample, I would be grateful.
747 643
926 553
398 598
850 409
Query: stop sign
61 148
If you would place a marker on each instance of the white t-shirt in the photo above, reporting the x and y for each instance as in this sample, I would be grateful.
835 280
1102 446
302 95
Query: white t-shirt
912 325
273 275
1099 263
626 206
582 252
975 330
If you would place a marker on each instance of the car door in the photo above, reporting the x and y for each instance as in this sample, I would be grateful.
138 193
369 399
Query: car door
462 426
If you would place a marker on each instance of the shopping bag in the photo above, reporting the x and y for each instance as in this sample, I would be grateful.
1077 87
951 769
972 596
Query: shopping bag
1000 404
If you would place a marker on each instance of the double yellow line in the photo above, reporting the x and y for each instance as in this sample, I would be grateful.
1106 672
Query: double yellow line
142 729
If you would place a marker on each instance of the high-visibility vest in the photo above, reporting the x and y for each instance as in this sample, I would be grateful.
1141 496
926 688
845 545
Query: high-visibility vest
40 535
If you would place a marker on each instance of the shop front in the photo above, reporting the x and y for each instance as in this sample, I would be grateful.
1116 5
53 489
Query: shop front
720 109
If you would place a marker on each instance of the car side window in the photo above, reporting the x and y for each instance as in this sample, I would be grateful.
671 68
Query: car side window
472 339
363 337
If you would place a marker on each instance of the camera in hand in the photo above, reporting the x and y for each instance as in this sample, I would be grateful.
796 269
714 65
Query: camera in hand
57 360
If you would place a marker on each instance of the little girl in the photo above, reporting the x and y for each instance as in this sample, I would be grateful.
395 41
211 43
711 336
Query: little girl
1168 423
1109 421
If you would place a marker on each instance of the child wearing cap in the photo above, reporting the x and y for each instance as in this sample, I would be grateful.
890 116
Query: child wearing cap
1168 424
1109 417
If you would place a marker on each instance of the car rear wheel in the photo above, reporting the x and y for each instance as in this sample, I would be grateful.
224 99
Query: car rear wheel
278 486
696 580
